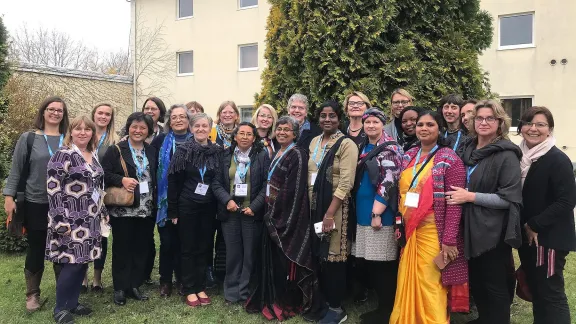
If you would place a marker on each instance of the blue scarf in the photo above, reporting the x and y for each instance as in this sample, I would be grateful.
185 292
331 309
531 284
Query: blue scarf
163 166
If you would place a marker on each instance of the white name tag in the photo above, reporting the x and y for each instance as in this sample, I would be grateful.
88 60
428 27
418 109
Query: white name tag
412 199
201 189
267 190
241 190
144 187
313 178
95 196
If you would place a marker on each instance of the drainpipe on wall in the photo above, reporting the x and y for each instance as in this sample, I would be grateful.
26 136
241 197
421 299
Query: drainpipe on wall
134 69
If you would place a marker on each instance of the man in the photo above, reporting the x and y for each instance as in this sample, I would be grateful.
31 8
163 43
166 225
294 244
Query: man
450 109
466 113
298 109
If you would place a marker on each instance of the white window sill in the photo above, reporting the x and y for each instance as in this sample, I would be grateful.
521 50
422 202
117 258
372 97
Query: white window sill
184 74
248 69
512 47
184 18
249 7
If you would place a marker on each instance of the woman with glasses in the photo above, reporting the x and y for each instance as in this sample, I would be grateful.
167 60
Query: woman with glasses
265 119
399 100
355 104
547 215
27 183
491 204
240 189
177 132
155 108
195 107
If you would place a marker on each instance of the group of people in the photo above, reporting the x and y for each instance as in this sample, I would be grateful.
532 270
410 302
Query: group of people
422 206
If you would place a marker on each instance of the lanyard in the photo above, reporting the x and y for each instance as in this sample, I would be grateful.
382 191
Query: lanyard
469 173
202 173
457 139
241 174
141 167
316 153
48 145
276 160
416 173
188 135
102 138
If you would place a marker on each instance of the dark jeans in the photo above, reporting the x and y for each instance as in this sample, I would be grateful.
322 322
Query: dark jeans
216 256
99 263
36 222
549 302
383 276
195 226
68 286
130 250
333 282
490 280
242 236
169 253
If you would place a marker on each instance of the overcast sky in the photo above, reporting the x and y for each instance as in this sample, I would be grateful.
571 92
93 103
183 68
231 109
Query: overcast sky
104 24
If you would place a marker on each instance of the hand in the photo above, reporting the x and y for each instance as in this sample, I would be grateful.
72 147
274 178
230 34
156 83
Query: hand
459 196
450 253
532 236
107 219
248 211
174 221
327 224
129 183
232 206
9 207
376 223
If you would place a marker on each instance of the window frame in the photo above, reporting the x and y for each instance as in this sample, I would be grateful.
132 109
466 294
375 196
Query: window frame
514 129
510 47
178 11
246 7
178 63
241 108
240 69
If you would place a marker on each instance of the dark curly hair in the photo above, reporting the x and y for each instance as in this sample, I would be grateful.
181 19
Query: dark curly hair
257 146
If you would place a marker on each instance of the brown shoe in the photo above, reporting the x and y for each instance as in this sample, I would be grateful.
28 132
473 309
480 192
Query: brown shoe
33 301
165 290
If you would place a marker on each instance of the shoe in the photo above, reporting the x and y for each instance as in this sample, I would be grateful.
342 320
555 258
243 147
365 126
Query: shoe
135 293
210 280
64 317
148 282
334 317
81 310
96 289
165 290
205 301
119 297
193 304
180 288
361 296
84 289
33 301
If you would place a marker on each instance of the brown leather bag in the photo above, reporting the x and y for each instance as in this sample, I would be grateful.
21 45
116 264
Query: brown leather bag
119 196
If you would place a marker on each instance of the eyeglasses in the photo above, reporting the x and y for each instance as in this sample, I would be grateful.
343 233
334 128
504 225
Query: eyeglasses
488 120
265 116
297 107
400 102
152 109
530 124
247 135
178 117
228 113
356 103
285 130
55 111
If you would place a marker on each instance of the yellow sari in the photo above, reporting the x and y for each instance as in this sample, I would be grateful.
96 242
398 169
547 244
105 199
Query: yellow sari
420 296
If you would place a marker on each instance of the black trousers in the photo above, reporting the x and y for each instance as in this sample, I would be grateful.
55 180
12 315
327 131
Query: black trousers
195 228
99 263
333 282
549 302
36 222
68 286
490 280
151 255
383 276
169 253
130 250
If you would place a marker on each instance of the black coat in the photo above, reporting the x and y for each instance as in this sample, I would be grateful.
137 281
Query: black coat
259 165
307 136
113 172
549 197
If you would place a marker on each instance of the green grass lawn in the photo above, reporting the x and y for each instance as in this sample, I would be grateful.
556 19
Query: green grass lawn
172 310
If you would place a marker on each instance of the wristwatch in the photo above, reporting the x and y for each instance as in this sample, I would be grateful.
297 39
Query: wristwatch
375 215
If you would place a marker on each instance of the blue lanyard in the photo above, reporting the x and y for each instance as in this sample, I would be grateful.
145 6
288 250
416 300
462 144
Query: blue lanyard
102 138
188 135
202 173
48 145
469 173
141 167
242 175
276 160
416 162
457 139
316 152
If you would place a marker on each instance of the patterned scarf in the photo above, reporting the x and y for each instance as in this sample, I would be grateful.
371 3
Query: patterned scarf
226 137
162 175
242 159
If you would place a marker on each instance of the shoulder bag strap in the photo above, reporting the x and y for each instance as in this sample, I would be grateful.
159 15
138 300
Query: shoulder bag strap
122 162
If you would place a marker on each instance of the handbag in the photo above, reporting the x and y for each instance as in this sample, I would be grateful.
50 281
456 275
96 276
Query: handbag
522 289
15 224
119 196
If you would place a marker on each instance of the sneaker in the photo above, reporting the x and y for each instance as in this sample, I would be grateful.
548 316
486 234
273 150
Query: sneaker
334 317
81 310
64 317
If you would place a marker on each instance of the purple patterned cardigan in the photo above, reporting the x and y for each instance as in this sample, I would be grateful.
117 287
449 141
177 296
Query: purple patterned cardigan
448 170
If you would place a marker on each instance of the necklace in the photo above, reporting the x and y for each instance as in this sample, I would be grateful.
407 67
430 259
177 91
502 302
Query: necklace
353 130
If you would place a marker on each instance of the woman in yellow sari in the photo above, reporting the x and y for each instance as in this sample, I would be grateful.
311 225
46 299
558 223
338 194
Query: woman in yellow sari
425 294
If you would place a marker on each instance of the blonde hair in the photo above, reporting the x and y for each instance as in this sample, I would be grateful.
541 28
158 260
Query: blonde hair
402 92
111 136
500 114
254 120
357 94
224 105
82 119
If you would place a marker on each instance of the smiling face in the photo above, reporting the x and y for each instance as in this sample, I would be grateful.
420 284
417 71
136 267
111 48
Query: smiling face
536 132
399 102
285 134
298 111
451 113
138 131
201 130
179 120
328 120
228 116
245 137
466 113
427 130
264 118
409 122
485 124
103 116
373 127
54 113
81 135
355 107
152 110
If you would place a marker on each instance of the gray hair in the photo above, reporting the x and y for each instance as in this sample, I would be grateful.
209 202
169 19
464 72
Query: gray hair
290 121
196 117
298 97
167 126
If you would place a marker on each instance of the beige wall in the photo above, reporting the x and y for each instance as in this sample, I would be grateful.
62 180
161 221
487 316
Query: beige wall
527 71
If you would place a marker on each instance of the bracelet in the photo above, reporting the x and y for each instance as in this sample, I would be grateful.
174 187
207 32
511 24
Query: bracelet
331 218
376 215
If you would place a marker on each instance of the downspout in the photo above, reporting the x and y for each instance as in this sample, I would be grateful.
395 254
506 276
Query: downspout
134 69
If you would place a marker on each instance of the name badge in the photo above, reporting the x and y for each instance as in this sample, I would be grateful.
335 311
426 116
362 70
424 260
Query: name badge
95 196
201 189
241 190
412 199
267 190
144 187
313 178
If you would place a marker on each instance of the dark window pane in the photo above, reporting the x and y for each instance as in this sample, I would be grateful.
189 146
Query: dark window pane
248 3
249 56
516 30
516 107
185 8
185 63
246 114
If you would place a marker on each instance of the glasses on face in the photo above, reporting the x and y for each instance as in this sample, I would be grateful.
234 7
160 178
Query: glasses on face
283 129
246 135
539 125
227 113
488 120
356 103
151 109
178 117
400 102
265 116
55 111
297 107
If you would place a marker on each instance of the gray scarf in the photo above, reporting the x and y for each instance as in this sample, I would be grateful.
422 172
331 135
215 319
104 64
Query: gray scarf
242 159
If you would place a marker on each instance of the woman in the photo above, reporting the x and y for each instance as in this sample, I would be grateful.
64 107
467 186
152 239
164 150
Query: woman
466 114
155 108
456 132
103 117
408 117
286 284
399 100
227 117
355 104
547 215
133 225
265 119
192 205
426 291
194 107
28 178
376 196
176 133
240 189
331 170
491 210
74 232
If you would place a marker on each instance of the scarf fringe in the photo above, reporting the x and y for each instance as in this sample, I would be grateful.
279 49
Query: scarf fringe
199 155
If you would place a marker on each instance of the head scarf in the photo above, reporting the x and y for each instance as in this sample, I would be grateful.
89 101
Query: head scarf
375 112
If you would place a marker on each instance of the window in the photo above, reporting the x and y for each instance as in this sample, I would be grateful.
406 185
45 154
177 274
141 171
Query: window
246 113
245 4
515 107
185 63
516 31
185 8
248 57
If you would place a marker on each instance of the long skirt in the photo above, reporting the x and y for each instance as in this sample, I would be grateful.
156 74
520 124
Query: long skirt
420 296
